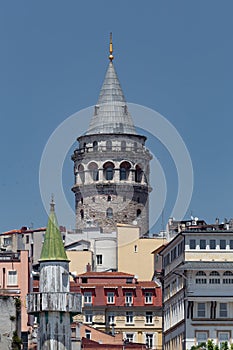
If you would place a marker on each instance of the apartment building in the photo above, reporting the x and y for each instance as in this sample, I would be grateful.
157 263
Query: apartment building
117 302
197 284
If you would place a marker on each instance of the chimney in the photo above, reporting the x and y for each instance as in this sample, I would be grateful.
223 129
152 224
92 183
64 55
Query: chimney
88 267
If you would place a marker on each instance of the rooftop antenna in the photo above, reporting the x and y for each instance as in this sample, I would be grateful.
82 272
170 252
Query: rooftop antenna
111 57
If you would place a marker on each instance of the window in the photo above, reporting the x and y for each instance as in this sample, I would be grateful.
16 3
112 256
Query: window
88 317
138 174
124 170
93 170
201 277
109 198
128 298
202 244
214 277
222 244
81 173
109 213
7 241
149 340
95 146
173 254
166 260
202 337
87 298
108 171
180 248
231 243
110 297
12 278
192 244
148 298
129 317
223 310
129 337
99 259
82 214
111 319
149 317
228 277
139 213
200 309
87 334
27 239
212 244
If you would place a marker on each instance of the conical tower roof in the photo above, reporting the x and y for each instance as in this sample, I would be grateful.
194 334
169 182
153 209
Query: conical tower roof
53 248
111 114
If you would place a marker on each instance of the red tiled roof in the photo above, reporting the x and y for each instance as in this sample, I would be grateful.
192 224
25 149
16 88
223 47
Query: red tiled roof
105 274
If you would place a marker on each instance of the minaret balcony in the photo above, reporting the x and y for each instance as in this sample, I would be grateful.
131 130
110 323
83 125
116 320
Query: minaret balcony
63 302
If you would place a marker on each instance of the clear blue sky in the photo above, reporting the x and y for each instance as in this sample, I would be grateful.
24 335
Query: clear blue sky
173 56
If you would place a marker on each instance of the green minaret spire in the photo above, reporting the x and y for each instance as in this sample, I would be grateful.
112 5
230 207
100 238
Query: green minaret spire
53 248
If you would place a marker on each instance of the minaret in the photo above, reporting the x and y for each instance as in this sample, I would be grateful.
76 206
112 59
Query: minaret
111 164
54 304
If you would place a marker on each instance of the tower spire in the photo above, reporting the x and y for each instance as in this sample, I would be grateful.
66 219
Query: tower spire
111 57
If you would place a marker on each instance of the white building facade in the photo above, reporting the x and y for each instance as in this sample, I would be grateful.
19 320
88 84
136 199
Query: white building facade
197 288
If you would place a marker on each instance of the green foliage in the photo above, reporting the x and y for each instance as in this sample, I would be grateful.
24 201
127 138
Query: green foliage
224 346
216 347
231 346
17 303
210 345
16 341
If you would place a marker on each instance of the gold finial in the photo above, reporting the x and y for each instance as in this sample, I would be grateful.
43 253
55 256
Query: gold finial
111 57
52 203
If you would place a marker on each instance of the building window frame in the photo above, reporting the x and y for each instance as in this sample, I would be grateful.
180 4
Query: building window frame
99 259
222 244
88 317
201 310
192 244
129 317
128 298
12 277
223 312
110 298
87 297
149 317
148 298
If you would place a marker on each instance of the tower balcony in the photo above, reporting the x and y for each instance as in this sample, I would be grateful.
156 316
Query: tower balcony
63 302
84 152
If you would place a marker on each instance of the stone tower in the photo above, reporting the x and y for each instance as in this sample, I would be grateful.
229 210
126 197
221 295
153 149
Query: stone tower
54 304
111 164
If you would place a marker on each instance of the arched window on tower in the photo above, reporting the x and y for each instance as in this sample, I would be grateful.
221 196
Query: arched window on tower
108 145
81 173
138 173
93 170
109 213
124 170
108 171
82 214
95 146
139 213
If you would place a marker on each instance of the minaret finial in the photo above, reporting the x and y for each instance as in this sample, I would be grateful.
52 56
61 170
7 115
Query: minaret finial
111 57
52 203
